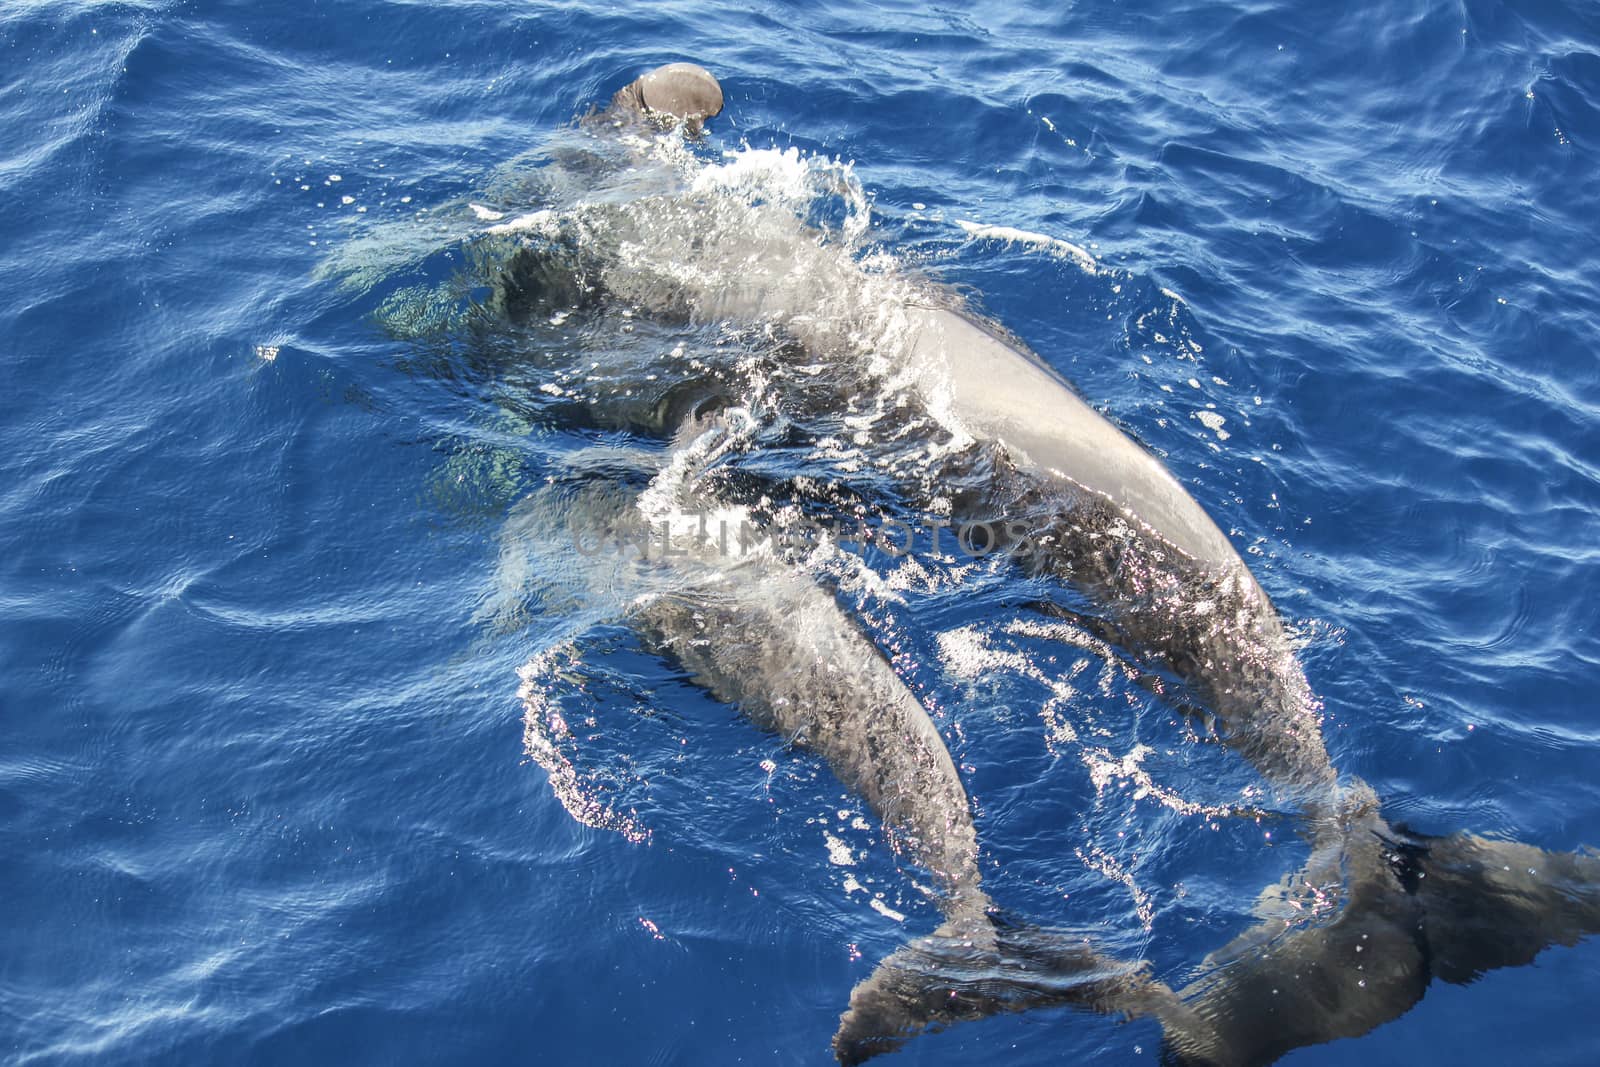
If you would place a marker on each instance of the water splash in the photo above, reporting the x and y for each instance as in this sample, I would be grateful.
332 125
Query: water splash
550 742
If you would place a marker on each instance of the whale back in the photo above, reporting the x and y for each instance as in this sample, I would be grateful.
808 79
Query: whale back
1002 392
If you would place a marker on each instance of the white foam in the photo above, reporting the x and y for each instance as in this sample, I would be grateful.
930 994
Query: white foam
1012 235
839 853
545 733
1214 422
541 222
887 912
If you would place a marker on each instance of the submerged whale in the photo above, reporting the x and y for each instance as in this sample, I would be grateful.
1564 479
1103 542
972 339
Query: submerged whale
1104 516
760 633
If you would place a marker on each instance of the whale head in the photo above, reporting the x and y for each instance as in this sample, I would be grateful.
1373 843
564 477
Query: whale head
685 92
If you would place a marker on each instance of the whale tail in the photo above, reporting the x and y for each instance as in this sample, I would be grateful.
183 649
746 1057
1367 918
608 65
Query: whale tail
1414 908
971 969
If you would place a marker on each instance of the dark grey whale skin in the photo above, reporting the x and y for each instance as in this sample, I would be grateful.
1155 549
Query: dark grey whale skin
1105 516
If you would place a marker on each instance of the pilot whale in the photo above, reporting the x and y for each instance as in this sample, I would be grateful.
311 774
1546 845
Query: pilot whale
761 634
1105 517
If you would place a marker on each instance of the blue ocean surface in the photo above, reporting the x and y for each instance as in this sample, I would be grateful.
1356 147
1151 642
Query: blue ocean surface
280 781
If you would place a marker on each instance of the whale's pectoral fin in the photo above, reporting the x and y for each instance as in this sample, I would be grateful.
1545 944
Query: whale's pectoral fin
966 971
1171 690
1104 629
1491 904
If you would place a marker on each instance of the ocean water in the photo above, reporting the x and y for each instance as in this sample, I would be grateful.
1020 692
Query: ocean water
267 792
